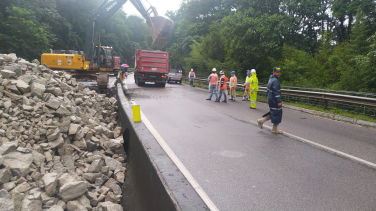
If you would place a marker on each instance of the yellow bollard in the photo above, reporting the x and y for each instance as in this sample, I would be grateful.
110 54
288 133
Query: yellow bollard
136 113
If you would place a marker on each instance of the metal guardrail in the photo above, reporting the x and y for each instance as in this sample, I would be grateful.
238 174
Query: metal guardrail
324 96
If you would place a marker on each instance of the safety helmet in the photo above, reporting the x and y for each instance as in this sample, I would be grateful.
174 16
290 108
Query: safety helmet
253 71
232 72
214 70
248 72
191 70
221 72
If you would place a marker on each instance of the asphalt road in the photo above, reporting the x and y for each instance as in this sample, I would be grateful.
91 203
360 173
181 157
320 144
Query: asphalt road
242 167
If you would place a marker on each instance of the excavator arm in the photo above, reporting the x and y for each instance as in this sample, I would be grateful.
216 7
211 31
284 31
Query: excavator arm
159 27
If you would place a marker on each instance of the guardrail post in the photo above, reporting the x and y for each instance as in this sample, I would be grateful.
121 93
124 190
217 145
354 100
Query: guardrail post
325 104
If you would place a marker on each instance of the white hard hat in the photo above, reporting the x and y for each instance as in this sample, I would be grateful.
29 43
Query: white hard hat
221 72
191 69
253 71
214 70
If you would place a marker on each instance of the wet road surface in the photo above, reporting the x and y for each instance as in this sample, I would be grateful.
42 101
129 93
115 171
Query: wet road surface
242 167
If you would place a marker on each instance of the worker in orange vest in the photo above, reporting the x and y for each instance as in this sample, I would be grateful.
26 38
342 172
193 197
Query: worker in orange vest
213 80
223 86
191 77
233 83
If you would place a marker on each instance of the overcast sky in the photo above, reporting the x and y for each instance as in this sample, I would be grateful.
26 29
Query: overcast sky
162 6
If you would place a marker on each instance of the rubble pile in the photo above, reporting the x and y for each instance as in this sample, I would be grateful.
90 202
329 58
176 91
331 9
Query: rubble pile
60 148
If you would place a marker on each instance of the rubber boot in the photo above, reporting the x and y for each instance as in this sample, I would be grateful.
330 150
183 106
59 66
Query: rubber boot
244 99
275 129
261 121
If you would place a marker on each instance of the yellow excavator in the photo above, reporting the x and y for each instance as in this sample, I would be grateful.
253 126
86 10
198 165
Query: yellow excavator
97 62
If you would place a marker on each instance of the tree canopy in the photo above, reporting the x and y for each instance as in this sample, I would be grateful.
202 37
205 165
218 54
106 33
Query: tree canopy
317 43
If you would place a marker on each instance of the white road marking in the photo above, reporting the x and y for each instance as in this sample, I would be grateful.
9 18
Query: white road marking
177 162
323 147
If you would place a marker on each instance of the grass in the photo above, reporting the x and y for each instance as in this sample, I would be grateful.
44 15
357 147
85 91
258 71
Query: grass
334 111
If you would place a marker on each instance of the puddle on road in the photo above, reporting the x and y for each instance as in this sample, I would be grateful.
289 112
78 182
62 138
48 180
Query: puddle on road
230 154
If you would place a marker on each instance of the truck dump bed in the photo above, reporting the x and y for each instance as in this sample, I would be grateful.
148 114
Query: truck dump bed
152 61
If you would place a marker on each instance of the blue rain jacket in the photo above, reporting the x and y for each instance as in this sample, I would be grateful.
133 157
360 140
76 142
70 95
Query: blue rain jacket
274 97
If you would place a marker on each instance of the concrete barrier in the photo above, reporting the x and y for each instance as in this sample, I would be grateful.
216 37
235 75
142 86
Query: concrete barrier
153 181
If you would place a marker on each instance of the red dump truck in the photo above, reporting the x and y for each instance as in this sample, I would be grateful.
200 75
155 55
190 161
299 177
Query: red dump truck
151 66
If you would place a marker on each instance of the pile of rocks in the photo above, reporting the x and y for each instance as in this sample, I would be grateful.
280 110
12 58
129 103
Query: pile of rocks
60 148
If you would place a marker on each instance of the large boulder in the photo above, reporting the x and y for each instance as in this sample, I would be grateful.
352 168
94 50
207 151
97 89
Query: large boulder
7 73
50 183
22 86
19 163
72 190
37 89
6 202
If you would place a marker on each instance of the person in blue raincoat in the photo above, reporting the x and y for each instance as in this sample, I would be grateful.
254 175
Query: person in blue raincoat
275 102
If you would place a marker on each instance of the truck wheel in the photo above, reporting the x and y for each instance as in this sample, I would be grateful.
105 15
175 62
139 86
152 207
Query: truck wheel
162 85
180 82
141 83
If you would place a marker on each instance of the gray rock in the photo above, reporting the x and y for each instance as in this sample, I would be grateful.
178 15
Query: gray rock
78 101
117 132
31 205
68 162
50 183
54 135
8 147
59 142
110 206
26 78
5 175
37 89
57 92
75 206
65 125
12 95
62 111
55 208
73 128
7 73
17 69
7 104
41 81
113 164
6 202
65 178
38 158
91 146
14 89
96 166
27 108
35 61
85 202
22 86
1 160
18 163
24 150
9 186
21 188
72 190
74 82
91 176
53 103
42 68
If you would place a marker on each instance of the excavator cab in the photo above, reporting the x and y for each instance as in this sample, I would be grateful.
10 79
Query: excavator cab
103 57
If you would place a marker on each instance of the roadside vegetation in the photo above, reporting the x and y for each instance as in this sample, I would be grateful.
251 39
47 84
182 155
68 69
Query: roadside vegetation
318 43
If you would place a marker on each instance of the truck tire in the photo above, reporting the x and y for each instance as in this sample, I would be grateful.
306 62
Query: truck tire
141 83
162 85
180 82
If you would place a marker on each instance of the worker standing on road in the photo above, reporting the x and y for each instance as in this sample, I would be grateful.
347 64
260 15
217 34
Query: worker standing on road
233 83
253 88
191 77
213 80
223 86
275 102
247 84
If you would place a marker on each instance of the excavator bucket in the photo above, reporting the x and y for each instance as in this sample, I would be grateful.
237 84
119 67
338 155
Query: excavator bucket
160 29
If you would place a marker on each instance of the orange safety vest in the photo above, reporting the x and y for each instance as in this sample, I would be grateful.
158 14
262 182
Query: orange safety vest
191 73
233 81
214 79
225 82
